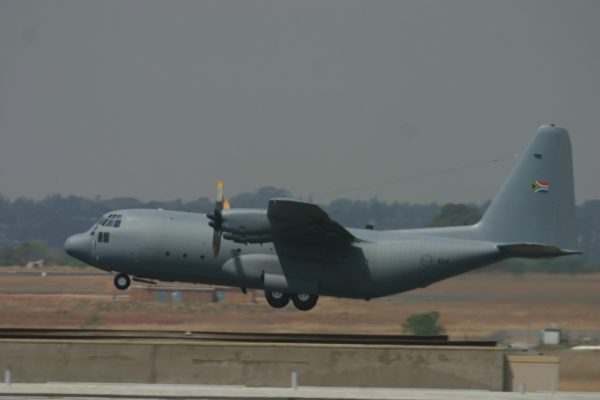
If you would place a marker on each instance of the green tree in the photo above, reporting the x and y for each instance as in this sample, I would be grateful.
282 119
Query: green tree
423 324
32 250
457 214
9 255
22 253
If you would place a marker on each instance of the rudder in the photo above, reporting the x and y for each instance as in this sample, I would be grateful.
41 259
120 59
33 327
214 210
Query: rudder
536 204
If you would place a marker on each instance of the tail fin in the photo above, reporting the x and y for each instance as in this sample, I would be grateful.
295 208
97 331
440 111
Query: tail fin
536 204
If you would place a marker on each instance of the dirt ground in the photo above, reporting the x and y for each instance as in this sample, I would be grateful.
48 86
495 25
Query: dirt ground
475 305
480 305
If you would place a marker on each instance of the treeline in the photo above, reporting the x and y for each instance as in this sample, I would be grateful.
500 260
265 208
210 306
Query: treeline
53 219
35 253
56 217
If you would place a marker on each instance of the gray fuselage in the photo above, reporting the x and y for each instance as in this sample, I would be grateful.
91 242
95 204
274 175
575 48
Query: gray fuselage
176 246
293 249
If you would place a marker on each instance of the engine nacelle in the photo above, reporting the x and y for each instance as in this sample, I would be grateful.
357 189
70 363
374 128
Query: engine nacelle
242 222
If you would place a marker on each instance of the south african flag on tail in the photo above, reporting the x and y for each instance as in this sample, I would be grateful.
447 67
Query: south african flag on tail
540 186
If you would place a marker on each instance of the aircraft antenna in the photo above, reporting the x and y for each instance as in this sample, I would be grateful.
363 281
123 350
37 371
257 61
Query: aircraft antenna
417 176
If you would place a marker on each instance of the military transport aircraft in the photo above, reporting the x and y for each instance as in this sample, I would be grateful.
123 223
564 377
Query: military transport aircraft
294 250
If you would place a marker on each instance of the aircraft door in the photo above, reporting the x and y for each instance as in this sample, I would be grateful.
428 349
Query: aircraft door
145 256
144 261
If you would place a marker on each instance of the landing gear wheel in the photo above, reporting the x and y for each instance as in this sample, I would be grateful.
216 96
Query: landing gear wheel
277 299
122 281
304 301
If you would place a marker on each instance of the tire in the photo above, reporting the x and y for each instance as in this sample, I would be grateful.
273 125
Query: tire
122 281
305 302
277 299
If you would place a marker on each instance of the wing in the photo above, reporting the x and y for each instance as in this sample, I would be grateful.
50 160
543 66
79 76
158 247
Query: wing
304 222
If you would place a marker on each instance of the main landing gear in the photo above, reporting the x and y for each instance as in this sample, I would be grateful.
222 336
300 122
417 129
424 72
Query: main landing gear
122 281
277 299
302 301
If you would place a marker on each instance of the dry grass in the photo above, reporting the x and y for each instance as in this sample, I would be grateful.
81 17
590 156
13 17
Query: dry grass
474 305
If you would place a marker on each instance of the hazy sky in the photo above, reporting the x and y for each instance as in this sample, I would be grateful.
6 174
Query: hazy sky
159 99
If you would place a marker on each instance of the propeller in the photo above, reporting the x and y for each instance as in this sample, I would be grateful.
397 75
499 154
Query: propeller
216 219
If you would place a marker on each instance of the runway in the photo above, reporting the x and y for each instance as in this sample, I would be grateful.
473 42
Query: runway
244 337
158 391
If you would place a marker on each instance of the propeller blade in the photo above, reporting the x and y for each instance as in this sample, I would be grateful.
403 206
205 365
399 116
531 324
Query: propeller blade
216 219
219 205
216 243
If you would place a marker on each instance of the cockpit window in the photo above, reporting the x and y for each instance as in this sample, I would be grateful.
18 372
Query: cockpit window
103 237
113 220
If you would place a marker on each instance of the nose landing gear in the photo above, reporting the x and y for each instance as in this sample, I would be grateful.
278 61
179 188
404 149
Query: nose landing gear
122 281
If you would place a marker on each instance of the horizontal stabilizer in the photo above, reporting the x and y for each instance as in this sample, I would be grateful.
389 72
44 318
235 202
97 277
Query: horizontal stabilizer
534 250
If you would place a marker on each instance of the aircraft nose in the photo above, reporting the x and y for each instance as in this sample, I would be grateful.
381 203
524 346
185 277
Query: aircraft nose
78 246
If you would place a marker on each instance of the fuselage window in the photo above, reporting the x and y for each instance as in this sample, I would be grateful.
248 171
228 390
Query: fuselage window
100 237
106 237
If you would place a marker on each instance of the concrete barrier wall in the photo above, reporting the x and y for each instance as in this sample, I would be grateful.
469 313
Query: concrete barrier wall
253 364
531 373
